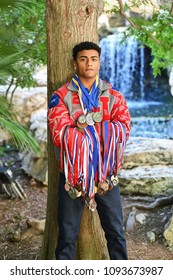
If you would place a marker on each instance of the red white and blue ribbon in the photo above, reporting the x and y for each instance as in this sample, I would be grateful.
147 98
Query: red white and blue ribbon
88 98
87 161
88 158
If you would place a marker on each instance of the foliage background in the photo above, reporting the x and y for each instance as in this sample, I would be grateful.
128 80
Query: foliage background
22 41
22 49
23 46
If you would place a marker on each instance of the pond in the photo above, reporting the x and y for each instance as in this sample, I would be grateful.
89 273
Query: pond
151 119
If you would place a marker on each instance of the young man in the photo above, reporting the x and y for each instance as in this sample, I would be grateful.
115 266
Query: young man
90 123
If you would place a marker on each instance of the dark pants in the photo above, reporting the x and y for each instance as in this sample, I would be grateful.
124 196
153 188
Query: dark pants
69 217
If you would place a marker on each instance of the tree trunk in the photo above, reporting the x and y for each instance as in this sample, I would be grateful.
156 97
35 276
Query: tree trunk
91 243
68 23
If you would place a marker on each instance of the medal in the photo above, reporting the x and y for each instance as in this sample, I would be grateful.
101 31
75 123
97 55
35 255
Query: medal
67 187
97 117
81 125
81 119
89 119
92 204
114 180
74 193
102 188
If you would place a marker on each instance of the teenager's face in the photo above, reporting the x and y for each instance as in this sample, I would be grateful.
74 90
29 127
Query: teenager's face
87 64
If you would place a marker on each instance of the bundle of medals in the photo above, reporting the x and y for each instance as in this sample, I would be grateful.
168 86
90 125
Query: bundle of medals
86 168
89 119
101 189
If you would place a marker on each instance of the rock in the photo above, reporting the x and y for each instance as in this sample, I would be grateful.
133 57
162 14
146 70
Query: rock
41 76
147 167
15 236
33 183
27 101
36 224
38 124
141 218
116 20
151 236
36 166
168 234
148 151
130 223
35 227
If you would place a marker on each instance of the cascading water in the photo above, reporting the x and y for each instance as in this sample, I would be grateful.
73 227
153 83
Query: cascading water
127 67
123 65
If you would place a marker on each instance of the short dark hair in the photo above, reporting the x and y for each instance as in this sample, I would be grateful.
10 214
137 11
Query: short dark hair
85 46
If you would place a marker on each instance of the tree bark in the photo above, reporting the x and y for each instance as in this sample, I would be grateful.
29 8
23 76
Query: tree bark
68 23
91 243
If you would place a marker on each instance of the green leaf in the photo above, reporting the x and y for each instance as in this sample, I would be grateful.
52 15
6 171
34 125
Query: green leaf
21 136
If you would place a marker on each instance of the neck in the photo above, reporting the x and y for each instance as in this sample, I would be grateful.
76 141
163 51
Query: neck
88 83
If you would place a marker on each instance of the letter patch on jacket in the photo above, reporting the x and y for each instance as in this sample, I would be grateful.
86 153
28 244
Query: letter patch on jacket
54 101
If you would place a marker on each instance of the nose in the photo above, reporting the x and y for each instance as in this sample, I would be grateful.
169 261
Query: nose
89 62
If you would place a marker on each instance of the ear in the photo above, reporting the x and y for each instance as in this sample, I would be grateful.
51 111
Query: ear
73 62
75 66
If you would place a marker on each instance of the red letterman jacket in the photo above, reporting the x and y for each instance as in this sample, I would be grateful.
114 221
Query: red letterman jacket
65 108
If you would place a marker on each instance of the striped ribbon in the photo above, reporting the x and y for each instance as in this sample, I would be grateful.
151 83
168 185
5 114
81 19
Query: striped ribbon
87 161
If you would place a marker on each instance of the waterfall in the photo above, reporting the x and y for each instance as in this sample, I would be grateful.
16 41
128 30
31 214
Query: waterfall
122 65
127 67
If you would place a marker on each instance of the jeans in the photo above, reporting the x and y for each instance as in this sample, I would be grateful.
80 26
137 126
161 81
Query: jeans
69 217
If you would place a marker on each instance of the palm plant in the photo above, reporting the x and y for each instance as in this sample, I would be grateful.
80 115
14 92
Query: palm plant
21 137
18 59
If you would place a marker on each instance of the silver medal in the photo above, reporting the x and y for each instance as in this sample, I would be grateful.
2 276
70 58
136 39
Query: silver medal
89 119
114 180
97 117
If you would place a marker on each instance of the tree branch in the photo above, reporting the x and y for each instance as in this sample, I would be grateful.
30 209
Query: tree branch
122 12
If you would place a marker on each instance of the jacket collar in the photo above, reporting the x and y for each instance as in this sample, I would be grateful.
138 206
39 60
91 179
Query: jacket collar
102 86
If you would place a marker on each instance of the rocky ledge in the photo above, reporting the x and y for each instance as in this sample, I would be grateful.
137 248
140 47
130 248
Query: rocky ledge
147 167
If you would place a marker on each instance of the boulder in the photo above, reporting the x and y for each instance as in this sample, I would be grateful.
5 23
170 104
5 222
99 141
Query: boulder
36 165
148 167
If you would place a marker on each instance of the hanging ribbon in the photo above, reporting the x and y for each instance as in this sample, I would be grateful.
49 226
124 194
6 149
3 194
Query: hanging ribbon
84 164
89 98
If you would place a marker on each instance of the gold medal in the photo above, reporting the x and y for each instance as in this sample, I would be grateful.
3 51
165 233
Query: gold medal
97 117
81 119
